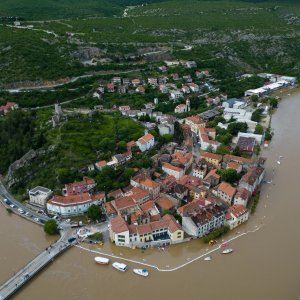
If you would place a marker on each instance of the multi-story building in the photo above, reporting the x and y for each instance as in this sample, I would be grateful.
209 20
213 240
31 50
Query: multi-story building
146 142
162 232
173 170
226 192
79 187
39 196
74 204
204 221
236 215
212 158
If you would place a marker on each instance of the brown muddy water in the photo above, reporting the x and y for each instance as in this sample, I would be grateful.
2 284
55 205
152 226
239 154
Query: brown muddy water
265 263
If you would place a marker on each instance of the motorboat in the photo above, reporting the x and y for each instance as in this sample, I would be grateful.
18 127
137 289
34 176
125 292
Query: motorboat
119 266
101 260
141 272
278 162
207 258
227 251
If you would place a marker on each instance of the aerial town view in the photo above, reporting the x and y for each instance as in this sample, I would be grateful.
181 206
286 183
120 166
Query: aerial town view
149 149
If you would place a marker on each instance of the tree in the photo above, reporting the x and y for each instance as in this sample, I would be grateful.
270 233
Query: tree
259 129
254 98
256 116
257 150
268 135
274 102
237 151
210 149
51 227
236 127
230 175
222 149
178 133
94 212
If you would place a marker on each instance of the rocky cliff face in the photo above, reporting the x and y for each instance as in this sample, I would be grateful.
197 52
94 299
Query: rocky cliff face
23 161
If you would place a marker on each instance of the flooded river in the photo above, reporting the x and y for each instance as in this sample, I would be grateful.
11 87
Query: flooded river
265 263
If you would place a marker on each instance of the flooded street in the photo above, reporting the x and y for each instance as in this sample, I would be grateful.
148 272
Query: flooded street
265 264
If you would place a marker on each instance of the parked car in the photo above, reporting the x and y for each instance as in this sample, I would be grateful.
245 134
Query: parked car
21 211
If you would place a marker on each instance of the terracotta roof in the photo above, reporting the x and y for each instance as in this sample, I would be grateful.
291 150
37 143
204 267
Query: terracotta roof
171 167
165 203
137 193
146 138
227 188
213 173
115 193
147 205
252 175
101 163
243 193
150 184
242 160
238 210
124 202
85 181
144 228
212 156
109 208
72 200
97 196
173 225
195 119
233 165
118 225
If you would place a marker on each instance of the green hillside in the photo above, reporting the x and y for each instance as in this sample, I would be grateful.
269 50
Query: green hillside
57 9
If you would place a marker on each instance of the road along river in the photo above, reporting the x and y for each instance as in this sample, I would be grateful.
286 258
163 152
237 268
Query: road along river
265 263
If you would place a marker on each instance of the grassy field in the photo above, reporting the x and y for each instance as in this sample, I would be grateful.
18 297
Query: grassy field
79 142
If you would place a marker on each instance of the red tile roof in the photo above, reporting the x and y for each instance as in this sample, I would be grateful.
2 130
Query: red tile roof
227 188
118 225
72 200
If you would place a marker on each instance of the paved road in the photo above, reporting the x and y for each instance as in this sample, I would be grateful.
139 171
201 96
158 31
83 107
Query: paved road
7 199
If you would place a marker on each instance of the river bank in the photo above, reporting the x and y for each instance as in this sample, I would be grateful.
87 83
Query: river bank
266 258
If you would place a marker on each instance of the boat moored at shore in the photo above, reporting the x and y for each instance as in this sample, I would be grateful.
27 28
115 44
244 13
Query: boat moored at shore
101 260
119 266
227 251
141 272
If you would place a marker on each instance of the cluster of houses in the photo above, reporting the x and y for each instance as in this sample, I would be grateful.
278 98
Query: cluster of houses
10 106
183 196
76 198
165 84
144 143
142 215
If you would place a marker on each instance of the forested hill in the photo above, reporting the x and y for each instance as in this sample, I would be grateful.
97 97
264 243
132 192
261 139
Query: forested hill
60 9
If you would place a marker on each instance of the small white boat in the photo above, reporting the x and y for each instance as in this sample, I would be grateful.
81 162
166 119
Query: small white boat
119 266
101 260
141 272
227 251
278 162
207 258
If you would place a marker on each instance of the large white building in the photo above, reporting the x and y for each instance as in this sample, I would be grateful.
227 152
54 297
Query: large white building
39 196
146 142
73 205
